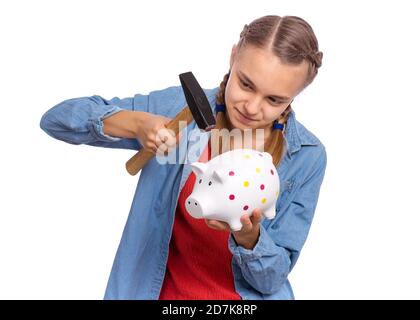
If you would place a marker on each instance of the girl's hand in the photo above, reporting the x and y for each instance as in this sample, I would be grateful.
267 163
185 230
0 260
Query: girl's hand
147 128
153 135
247 237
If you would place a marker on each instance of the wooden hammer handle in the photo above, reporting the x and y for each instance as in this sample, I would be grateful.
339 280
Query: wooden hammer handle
142 157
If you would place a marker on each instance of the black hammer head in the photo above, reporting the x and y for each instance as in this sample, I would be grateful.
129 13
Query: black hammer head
197 102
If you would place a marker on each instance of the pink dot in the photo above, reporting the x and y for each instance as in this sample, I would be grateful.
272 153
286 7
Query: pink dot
262 187
272 172
231 173
246 207
231 197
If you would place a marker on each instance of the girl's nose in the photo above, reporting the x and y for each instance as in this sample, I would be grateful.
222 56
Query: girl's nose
252 108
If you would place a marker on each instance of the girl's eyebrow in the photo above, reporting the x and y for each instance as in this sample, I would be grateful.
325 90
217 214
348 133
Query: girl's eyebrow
251 83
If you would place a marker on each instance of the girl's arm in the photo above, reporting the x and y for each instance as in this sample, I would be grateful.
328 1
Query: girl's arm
81 121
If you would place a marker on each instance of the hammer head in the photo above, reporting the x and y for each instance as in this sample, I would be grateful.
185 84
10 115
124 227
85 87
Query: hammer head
197 102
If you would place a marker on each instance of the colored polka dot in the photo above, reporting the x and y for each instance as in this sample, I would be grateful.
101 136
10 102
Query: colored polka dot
262 187
277 194
231 173
246 183
231 197
263 200
258 170
272 172
247 156
260 154
246 207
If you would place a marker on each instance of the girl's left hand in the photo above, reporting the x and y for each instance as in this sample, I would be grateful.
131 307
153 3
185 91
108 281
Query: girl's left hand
247 237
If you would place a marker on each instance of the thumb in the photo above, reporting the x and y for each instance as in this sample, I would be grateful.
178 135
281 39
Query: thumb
166 120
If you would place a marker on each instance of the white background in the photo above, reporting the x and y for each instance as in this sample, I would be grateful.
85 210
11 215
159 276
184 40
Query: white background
63 207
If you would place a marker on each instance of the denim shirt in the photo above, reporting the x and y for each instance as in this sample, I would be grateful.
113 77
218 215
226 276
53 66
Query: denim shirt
140 262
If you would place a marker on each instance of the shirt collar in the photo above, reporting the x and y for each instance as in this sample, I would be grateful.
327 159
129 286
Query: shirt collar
297 135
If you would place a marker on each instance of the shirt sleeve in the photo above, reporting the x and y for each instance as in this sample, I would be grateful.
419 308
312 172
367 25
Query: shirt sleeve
267 265
80 121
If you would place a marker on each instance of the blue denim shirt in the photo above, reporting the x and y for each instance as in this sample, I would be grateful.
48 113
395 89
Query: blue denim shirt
140 263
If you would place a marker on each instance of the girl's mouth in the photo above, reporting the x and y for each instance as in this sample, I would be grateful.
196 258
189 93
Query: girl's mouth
243 118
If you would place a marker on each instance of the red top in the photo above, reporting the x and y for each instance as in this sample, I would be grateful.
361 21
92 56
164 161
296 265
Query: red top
199 262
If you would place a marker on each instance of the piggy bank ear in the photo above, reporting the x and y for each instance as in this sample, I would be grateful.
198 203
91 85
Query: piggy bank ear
220 175
268 156
198 168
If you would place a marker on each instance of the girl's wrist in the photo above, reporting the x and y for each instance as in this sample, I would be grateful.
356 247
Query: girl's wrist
249 240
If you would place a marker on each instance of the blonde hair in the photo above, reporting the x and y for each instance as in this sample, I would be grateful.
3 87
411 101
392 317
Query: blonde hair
291 39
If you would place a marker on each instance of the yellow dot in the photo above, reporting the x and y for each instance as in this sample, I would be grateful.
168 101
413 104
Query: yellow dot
263 200
247 156
258 170
277 194
246 183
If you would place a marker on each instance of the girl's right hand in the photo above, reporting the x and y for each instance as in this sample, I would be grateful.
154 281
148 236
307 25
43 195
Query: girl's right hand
154 136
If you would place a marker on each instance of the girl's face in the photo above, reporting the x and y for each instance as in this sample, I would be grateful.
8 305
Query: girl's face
260 87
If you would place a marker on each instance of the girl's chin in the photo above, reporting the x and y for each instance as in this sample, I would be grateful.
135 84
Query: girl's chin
241 126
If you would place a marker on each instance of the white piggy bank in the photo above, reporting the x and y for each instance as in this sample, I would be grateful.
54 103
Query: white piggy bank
233 184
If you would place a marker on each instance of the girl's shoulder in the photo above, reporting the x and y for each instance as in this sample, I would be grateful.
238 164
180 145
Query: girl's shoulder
304 147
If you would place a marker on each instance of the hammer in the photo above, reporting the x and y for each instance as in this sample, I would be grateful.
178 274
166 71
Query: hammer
197 108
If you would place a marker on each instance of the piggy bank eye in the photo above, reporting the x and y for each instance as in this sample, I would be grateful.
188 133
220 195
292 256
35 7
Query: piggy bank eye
200 180
210 183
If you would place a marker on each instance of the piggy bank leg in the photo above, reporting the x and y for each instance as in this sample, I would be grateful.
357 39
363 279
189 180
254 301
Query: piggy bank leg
235 225
270 213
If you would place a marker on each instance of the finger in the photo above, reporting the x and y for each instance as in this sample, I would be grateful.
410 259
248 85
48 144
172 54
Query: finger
152 148
150 144
166 120
256 216
171 141
161 150
215 224
246 223
225 225
163 135
164 150
212 224
167 137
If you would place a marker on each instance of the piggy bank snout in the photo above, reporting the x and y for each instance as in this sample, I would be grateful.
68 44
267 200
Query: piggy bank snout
194 207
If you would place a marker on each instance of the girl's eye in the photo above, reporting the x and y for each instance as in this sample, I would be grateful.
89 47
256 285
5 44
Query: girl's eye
200 180
276 101
245 84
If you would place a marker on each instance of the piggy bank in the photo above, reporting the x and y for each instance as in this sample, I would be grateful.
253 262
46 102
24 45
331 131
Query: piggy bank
233 184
